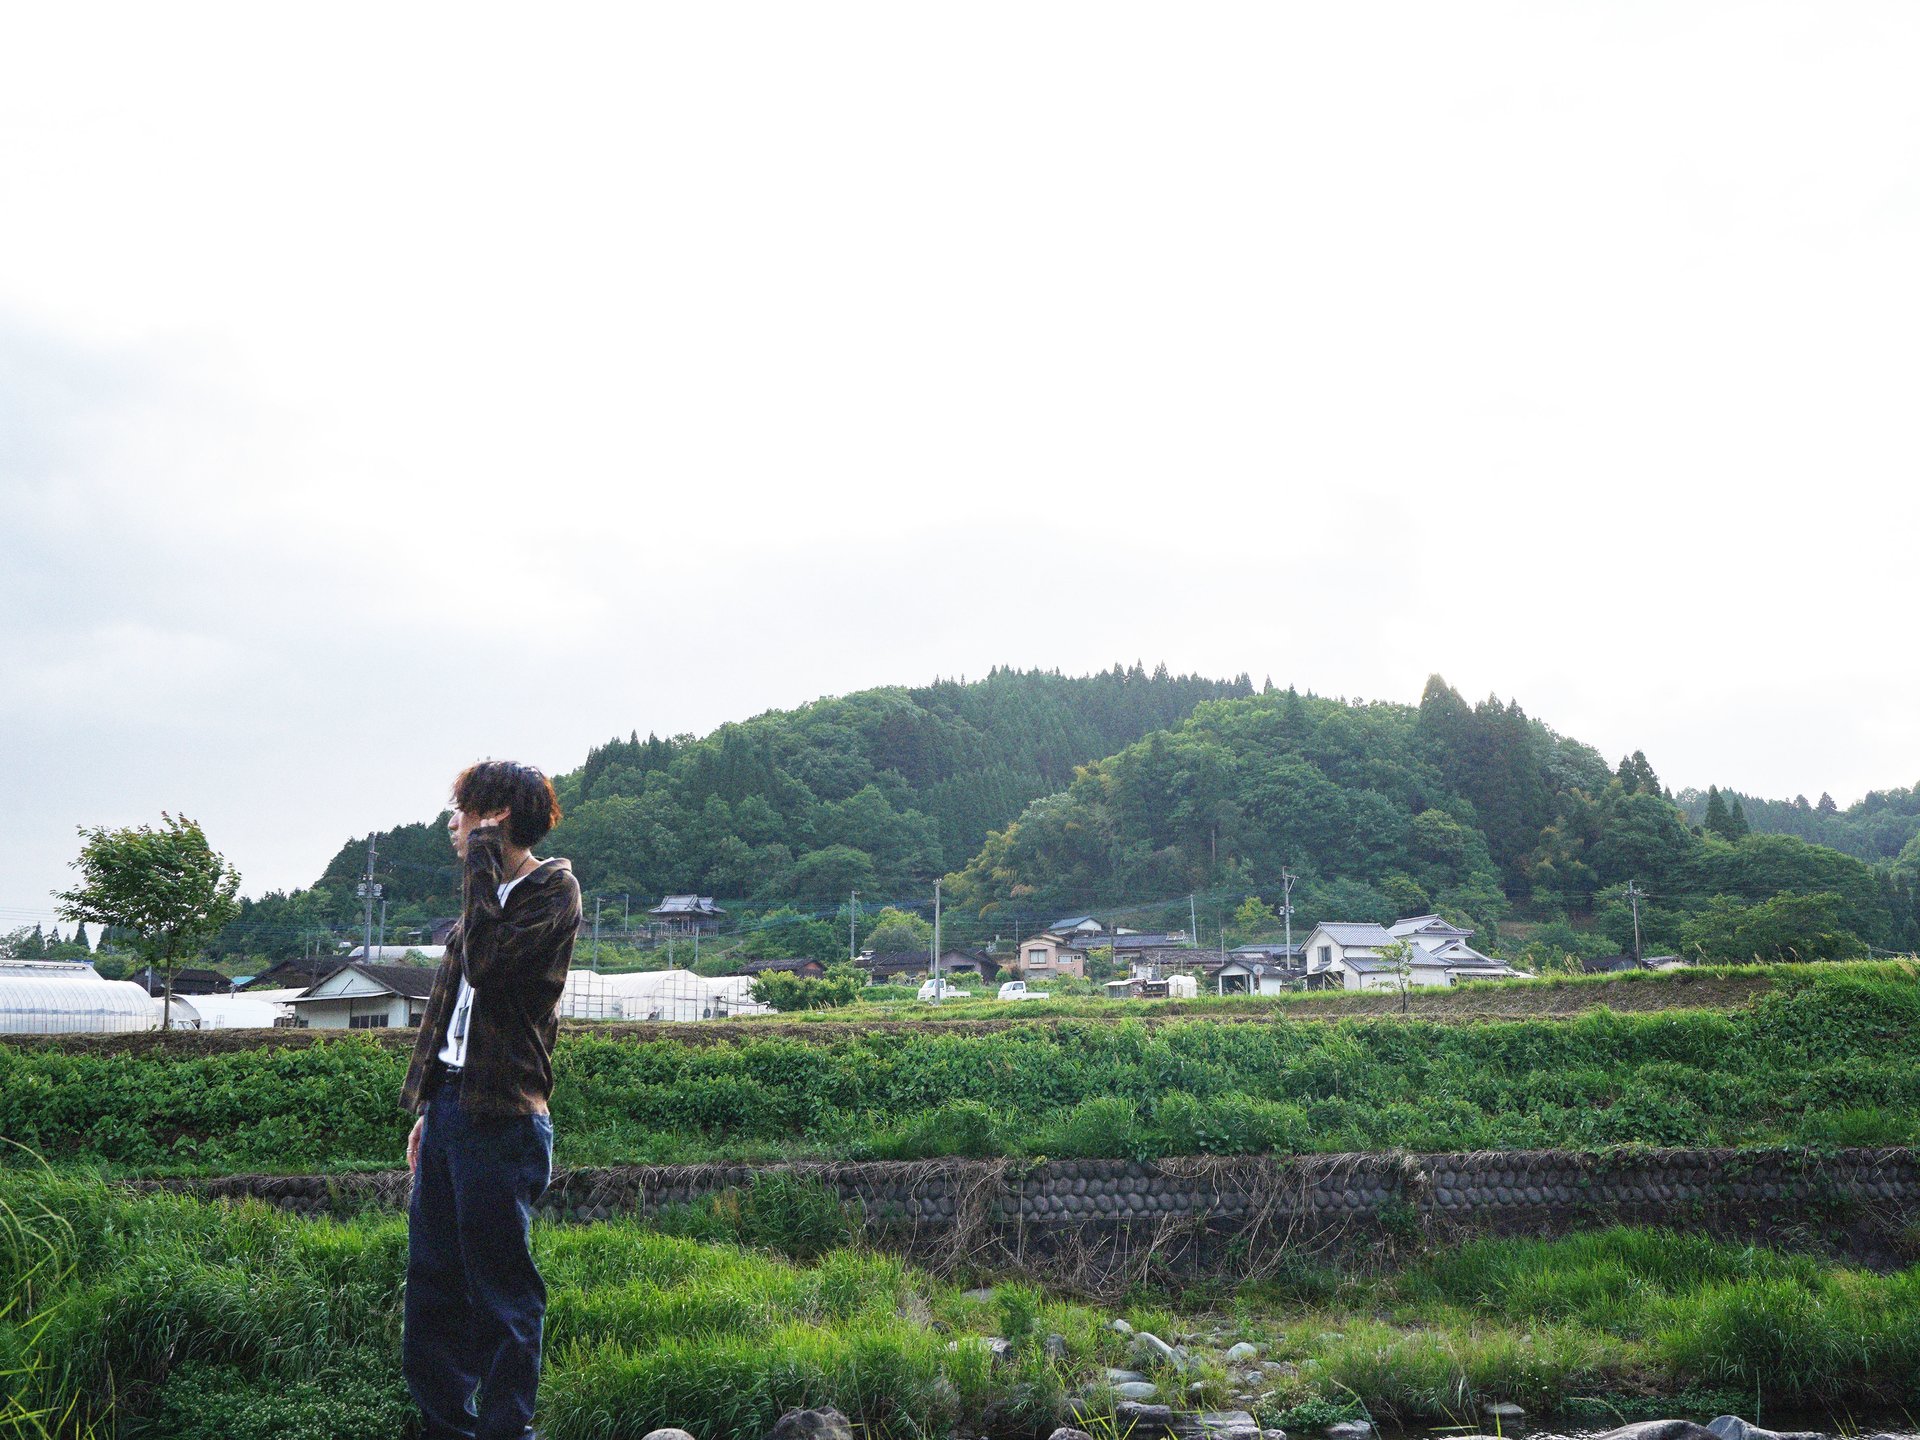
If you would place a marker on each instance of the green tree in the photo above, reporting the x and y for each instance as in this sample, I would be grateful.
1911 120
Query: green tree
165 887
787 932
899 930
785 992
1254 919
1717 821
1397 960
1784 928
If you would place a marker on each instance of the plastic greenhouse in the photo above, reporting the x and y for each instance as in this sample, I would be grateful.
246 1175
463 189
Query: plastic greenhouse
48 997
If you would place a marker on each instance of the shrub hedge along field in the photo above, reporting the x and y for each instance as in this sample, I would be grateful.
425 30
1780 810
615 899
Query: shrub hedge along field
1828 1056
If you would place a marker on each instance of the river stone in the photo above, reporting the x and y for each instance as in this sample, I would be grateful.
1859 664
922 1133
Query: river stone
1660 1430
1217 1425
1137 1390
1123 1377
1505 1411
1120 1327
1151 1349
812 1425
1273 1435
1055 1347
667 1434
1242 1351
1067 1432
984 1293
1349 1430
1732 1427
1135 1418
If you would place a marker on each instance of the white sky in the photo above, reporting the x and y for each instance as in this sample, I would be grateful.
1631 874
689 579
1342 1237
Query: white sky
738 354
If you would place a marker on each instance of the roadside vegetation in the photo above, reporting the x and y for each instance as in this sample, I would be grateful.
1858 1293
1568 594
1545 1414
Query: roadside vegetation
1826 1056
164 1316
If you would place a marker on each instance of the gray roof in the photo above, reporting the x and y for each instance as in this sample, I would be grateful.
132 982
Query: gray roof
1362 933
687 905
413 981
1071 921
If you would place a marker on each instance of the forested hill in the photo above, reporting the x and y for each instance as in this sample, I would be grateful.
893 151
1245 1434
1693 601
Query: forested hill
1883 826
878 791
1386 809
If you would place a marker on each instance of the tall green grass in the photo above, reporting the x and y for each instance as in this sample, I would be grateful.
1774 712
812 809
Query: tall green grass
158 1316
1829 1055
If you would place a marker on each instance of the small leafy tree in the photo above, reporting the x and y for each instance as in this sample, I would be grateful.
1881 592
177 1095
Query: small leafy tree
166 889
787 992
898 930
1397 958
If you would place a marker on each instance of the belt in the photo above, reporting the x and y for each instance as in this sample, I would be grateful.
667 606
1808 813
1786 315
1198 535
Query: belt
452 1074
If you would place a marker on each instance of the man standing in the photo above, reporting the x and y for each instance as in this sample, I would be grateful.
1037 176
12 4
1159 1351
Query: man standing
481 1152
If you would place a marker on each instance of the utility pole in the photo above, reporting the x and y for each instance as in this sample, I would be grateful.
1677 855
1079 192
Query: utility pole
369 892
626 916
853 915
1193 919
936 942
383 926
593 960
1634 896
1286 907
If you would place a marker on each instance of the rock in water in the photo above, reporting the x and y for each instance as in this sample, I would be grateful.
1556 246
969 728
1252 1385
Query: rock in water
812 1425
1732 1427
1661 1430
1217 1425
1349 1430
1505 1411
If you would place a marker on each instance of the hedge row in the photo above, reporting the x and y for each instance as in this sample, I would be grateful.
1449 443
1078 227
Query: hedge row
1829 1059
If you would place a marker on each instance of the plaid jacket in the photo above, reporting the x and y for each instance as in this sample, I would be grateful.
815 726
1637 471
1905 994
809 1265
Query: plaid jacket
515 956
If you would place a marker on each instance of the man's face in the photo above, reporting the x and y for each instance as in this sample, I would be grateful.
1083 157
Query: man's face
460 825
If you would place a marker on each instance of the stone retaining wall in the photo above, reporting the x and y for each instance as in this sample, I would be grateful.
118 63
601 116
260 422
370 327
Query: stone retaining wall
1096 1216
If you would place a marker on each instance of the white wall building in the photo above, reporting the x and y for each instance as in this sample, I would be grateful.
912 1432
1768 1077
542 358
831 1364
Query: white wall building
365 997
1349 956
657 995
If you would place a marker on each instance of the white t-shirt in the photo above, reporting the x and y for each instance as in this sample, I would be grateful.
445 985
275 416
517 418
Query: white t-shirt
454 1052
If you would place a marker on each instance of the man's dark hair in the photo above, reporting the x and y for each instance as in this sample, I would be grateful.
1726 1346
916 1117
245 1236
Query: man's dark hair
494 785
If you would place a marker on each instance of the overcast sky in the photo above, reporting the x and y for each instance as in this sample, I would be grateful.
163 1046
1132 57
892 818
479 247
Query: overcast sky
399 385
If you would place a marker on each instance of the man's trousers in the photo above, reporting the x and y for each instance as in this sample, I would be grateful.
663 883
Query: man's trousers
475 1300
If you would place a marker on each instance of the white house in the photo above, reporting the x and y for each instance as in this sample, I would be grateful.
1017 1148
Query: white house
365 997
1348 956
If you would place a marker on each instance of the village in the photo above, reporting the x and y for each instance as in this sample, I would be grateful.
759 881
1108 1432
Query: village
387 986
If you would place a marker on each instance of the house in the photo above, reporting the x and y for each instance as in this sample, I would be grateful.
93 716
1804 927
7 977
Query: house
1044 957
398 954
186 981
801 965
886 965
1610 965
365 996
1345 955
1075 928
967 962
295 974
686 915
1252 974
1136 951
890 964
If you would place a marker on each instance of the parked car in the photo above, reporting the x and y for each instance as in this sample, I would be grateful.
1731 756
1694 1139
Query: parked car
1017 990
942 989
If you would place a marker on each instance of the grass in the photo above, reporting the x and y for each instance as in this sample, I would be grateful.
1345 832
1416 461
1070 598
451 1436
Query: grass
160 1316
1825 1056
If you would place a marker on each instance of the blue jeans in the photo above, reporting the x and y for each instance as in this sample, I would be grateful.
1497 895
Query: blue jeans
475 1300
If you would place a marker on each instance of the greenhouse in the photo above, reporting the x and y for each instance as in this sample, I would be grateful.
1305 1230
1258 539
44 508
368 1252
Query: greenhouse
656 995
48 997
